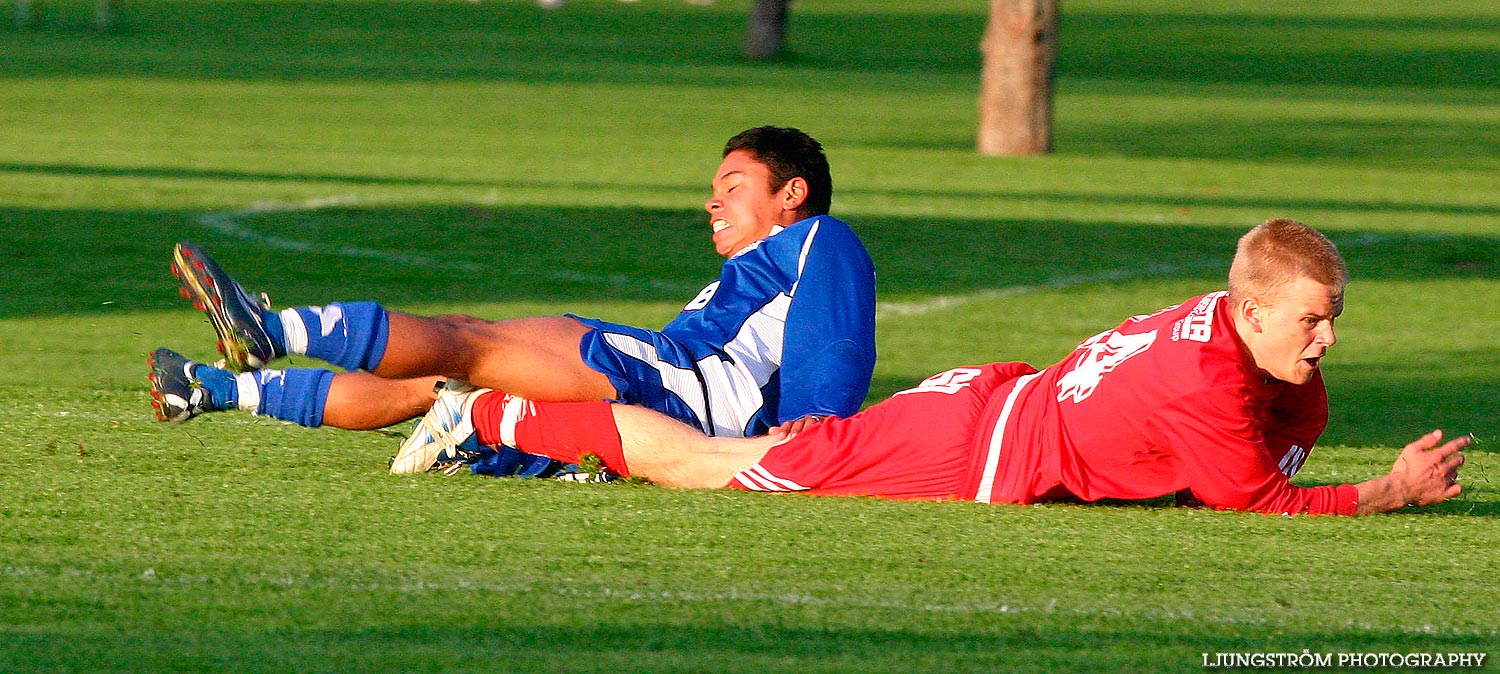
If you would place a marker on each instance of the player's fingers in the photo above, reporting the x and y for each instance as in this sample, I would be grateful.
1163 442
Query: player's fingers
1450 469
1425 442
1452 447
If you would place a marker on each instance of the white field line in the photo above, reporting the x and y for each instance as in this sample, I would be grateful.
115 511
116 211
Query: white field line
230 223
150 576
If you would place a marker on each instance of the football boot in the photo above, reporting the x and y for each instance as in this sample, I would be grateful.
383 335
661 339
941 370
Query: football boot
235 314
182 389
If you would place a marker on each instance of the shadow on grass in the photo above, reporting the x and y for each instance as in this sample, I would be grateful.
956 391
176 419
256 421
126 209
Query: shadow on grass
335 181
675 44
1391 403
1462 505
468 255
601 42
1031 641
1418 142
331 179
1322 49
465 254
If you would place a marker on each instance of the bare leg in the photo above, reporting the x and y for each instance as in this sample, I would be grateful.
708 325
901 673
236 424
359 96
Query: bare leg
536 358
360 401
672 454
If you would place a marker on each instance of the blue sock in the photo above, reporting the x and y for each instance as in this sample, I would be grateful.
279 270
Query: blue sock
223 392
275 330
351 335
297 395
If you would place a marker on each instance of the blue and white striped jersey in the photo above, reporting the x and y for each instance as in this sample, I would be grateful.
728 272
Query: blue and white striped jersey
787 330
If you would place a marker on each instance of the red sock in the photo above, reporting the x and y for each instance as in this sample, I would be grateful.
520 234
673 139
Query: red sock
562 431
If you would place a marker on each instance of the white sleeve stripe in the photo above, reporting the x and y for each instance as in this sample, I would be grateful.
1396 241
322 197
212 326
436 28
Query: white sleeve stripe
812 233
997 440
1292 461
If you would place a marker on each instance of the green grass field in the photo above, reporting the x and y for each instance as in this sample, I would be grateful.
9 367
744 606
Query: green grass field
504 160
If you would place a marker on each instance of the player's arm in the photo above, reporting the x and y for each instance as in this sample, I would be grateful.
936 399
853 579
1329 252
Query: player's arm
1223 455
1295 421
829 352
1425 473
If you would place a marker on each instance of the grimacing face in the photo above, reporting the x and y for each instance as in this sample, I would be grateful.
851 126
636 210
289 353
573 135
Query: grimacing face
1291 334
743 209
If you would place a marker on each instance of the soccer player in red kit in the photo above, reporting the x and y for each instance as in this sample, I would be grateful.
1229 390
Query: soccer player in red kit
1218 399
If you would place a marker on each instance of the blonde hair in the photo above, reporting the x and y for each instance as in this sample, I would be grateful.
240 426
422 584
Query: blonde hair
1276 253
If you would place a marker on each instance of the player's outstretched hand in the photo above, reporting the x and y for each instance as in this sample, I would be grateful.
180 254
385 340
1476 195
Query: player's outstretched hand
1431 470
1426 472
795 426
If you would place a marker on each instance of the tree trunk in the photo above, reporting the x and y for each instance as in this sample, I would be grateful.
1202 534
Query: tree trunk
767 33
1015 98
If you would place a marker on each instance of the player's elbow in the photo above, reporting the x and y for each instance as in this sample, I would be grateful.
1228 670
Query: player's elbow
1227 500
841 382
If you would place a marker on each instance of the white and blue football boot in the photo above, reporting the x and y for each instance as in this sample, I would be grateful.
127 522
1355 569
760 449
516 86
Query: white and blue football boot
444 441
445 435
236 316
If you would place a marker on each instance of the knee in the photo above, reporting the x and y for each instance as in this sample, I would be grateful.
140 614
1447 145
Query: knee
462 321
470 332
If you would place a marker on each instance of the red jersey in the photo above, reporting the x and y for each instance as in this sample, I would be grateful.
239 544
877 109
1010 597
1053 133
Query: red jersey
1164 402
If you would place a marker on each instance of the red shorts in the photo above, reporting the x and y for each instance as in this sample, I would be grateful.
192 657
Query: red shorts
917 444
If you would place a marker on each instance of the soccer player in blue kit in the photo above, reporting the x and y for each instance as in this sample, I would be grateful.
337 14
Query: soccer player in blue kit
782 339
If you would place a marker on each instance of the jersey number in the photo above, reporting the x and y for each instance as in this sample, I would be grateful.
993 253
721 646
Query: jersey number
704 295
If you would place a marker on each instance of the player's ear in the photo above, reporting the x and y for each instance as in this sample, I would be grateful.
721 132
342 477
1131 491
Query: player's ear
1252 311
794 194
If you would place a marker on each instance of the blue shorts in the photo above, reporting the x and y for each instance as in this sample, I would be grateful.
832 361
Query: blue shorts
650 369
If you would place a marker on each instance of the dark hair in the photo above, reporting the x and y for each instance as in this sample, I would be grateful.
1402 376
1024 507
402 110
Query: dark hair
789 153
